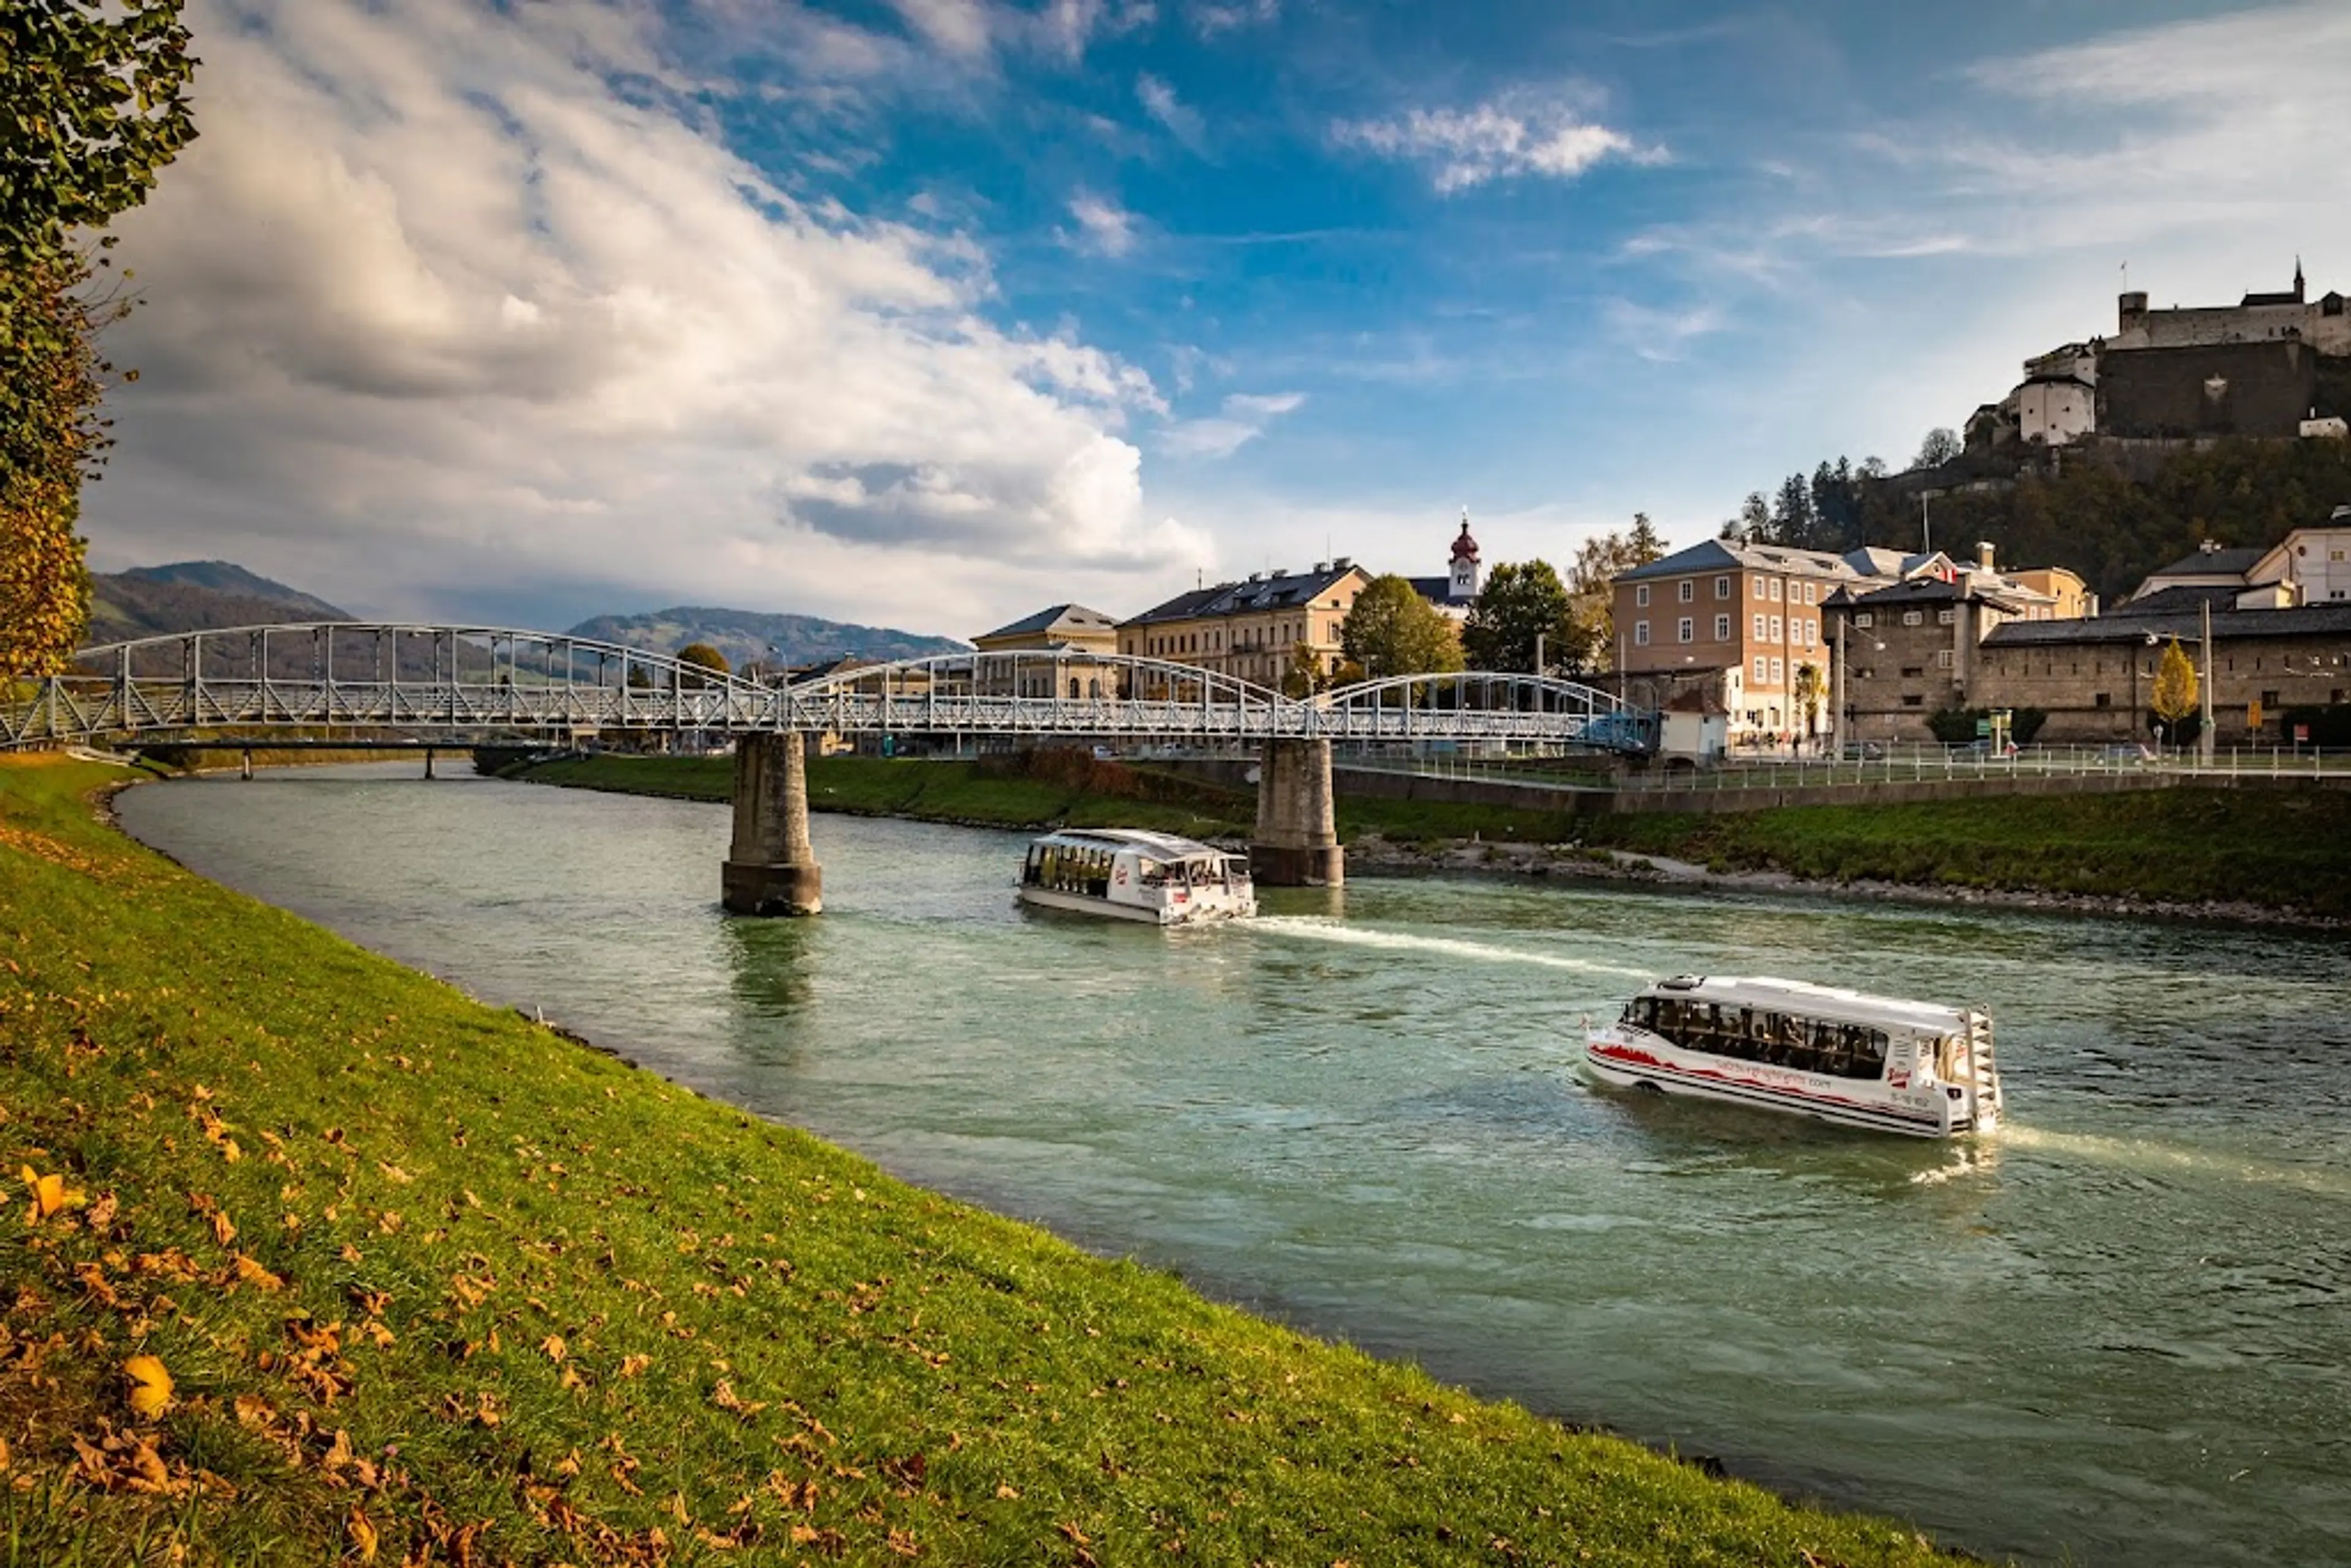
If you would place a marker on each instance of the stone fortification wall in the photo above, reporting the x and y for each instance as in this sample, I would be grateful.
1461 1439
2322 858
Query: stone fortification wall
2222 389
2069 680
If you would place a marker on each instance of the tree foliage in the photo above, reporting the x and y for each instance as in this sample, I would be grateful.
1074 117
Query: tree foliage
1523 603
50 438
703 654
1393 631
2174 696
1942 444
96 103
1590 641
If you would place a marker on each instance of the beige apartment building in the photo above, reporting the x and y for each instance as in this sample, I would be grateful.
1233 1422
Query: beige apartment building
1741 622
1258 630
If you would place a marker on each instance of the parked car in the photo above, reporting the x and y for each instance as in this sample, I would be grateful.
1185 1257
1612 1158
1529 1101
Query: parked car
1863 751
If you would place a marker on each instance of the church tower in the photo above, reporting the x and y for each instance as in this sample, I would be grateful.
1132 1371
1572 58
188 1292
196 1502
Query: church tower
1464 584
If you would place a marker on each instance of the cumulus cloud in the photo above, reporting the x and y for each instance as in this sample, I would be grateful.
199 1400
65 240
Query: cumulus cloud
1104 228
1240 419
431 304
1502 138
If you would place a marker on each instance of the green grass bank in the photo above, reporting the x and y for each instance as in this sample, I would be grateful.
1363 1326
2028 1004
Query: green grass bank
2284 850
308 1258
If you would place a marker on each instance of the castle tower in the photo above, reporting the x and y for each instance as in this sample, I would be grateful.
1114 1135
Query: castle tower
1464 584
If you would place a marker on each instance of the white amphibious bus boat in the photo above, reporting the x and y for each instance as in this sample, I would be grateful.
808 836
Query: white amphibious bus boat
1846 1056
1129 874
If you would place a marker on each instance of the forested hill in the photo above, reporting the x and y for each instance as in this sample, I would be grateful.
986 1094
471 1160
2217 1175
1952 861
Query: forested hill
744 635
2111 515
193 596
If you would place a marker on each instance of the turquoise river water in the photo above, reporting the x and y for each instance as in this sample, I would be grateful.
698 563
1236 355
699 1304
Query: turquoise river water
2120 1333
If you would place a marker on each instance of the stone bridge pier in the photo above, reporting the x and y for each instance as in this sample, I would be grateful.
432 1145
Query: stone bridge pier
1297 839
771 867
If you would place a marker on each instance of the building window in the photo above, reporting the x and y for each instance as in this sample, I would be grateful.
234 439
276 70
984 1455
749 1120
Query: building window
1640 633
1641 595
1812 631
1686 629
1685 590
1863 618
1760 667
1775 591
1722 628
1812 594
1914 701
1775 629
1779 672
1943 659
2102 700
1759 628
1759 588
1945 617
1722 585
1913 618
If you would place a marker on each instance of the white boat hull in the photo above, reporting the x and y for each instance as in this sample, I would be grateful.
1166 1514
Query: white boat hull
1630 1059
1198 910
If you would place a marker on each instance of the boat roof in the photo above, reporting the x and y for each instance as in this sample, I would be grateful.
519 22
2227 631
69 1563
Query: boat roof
1167 846
1826 1001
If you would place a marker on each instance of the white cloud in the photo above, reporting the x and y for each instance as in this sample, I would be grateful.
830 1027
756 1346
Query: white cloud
430 308
1104 228
1241 419
1182 123
1214 16
1505 137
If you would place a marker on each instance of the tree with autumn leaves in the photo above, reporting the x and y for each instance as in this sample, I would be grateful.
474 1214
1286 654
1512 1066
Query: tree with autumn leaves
97 103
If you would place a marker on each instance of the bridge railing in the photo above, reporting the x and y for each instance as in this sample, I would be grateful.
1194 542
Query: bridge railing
465 684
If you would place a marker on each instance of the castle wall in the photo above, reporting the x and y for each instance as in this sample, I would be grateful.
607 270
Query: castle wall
2262 389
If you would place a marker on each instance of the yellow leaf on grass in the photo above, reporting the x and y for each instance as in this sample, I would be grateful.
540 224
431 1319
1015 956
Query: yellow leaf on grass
253 1273
552 1347
150 1386
49 1195
363 1535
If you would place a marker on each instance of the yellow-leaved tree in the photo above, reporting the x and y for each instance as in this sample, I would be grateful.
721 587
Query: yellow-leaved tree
96 101
2175 689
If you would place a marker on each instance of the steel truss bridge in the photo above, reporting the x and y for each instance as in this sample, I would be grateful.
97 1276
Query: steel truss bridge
357 683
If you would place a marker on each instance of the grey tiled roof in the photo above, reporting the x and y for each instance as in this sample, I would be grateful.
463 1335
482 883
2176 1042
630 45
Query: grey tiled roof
2307 620
2213 563
1075 617
1291 589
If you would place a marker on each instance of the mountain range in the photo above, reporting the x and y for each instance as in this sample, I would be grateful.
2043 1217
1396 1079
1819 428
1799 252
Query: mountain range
202 595
749 635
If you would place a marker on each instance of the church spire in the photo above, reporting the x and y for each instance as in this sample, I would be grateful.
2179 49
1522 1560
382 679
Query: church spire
2297 281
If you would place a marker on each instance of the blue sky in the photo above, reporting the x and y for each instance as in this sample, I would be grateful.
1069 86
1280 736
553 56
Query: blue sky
933 311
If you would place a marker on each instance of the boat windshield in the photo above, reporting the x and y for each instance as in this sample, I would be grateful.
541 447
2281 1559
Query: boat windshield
1828 1046
1069 868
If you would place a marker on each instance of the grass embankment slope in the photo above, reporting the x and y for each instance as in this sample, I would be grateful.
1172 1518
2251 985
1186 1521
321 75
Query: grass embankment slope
431 1284
1062 790
2281 849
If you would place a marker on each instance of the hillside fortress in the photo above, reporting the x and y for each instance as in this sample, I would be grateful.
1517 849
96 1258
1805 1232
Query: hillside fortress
2254 368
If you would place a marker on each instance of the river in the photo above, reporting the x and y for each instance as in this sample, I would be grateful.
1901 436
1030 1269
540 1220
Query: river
2120 1333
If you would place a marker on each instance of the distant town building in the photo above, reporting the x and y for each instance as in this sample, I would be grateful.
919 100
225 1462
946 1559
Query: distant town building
1253 629
1910 647
1072 635
1457 591
2309 566
2248 369
1740 621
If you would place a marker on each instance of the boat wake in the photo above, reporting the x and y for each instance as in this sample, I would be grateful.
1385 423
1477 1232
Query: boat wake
1322 929
2148 1158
